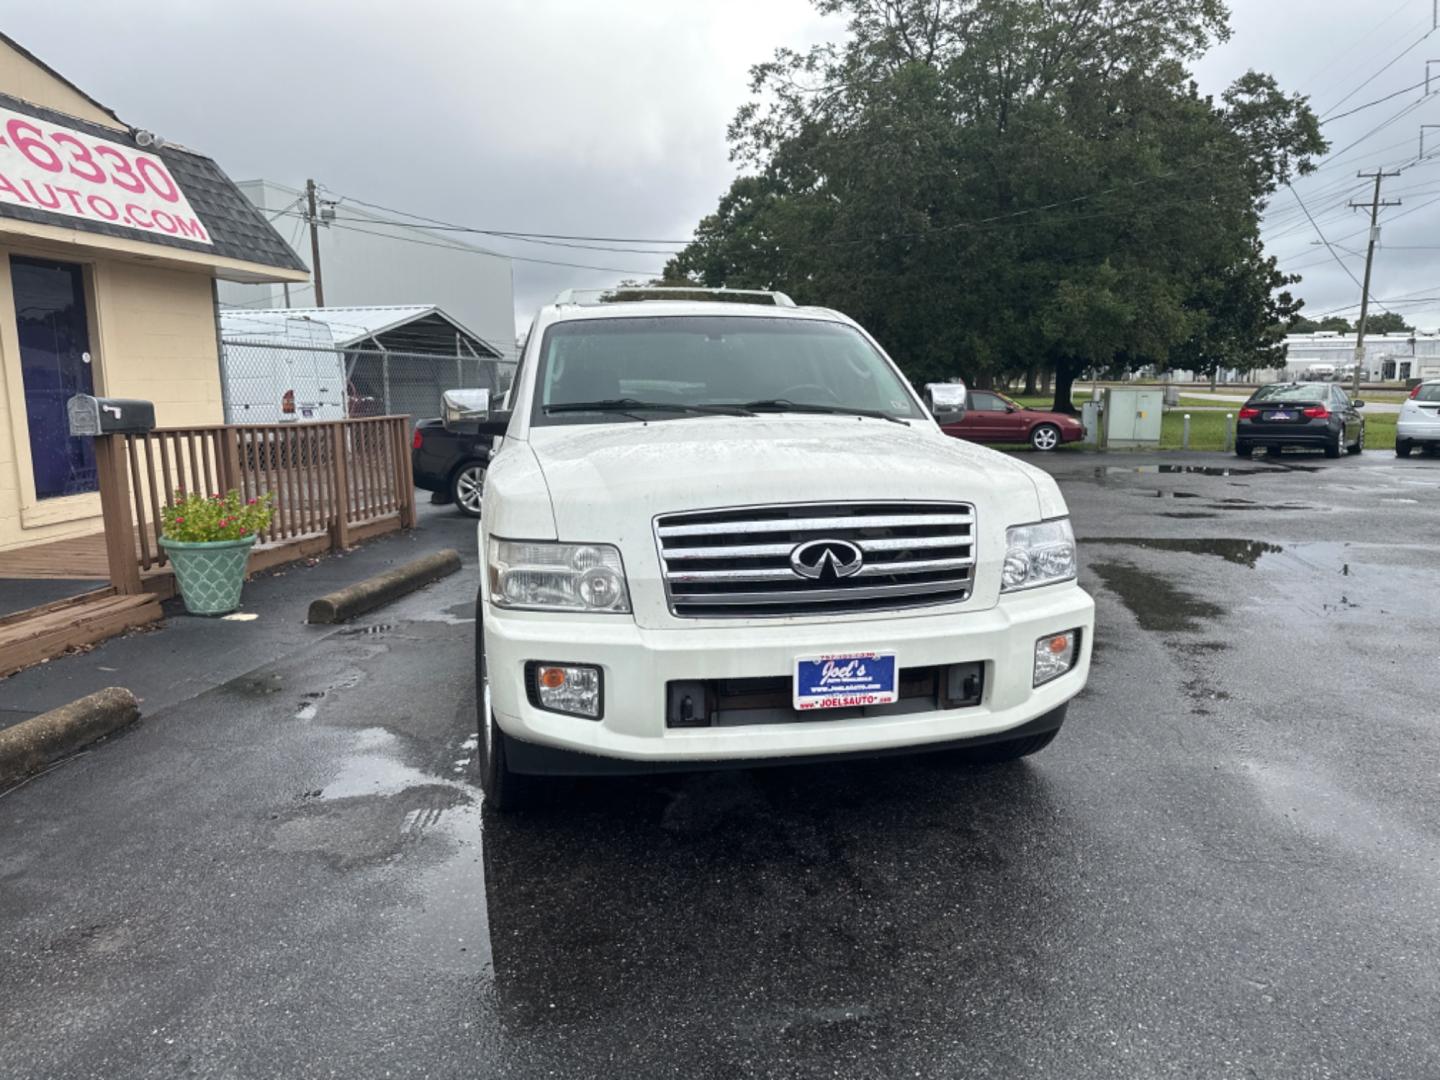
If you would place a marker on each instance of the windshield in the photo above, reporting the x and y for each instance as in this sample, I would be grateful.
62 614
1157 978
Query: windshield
1428 392
672 367
1292 392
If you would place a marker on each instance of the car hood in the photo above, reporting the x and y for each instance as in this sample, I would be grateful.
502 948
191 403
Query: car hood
645 469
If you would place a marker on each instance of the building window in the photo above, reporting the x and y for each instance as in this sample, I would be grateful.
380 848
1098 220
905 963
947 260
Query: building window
55 364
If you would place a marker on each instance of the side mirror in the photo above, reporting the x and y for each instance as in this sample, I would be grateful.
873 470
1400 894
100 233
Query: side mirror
946 401
462 409
1358 404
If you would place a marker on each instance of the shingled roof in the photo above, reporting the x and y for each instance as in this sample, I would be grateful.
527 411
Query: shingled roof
237 228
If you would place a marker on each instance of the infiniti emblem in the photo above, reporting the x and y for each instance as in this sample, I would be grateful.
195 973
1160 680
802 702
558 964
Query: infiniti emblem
822 559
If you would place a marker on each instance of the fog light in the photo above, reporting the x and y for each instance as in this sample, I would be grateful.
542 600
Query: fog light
573 689
1055 655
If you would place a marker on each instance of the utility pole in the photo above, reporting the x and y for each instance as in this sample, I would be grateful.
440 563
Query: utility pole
1375 206
314 218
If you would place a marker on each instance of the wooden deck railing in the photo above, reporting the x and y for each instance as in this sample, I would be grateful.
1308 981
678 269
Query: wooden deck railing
328 479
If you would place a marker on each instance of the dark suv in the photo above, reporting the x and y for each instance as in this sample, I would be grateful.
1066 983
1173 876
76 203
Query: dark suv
1316 415
452 464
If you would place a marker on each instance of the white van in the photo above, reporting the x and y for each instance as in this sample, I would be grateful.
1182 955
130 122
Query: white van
280 371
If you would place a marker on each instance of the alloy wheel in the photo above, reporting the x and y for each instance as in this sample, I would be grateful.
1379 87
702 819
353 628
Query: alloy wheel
1044 438
470 488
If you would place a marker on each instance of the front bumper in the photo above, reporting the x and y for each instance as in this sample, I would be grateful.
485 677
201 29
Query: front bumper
637 664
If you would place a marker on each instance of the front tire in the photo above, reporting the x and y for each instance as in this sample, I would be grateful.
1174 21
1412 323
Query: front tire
467 488
1403 447
504 791
1045 437
1335 445
1359 446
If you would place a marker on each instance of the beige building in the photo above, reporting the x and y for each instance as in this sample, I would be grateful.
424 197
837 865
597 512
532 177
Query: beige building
110 249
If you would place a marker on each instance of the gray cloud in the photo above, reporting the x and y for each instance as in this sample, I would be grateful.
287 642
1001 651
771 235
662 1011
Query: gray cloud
609 119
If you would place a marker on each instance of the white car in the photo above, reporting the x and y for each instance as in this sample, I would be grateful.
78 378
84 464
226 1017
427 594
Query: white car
721 529
1419 421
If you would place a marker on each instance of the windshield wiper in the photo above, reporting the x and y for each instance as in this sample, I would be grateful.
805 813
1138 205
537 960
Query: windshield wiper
786 405
628 405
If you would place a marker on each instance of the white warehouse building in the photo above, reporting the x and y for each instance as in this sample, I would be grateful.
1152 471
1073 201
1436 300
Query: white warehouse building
366 260
1403 355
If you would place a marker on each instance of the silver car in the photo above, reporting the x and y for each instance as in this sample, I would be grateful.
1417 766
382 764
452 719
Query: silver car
1419 421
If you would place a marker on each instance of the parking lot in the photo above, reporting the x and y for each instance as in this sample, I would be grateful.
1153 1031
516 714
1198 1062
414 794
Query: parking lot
1226 865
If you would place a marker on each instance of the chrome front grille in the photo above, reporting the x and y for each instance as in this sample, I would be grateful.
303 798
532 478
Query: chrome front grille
732 563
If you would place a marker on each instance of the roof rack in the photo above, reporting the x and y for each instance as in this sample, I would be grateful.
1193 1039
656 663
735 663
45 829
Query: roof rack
631 293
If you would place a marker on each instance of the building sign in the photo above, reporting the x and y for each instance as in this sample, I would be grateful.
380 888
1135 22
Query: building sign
64 171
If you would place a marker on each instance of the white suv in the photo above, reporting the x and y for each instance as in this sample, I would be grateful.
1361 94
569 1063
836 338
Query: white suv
1419 421
723 529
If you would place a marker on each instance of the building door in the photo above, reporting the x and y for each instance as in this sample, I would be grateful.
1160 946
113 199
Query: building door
55 365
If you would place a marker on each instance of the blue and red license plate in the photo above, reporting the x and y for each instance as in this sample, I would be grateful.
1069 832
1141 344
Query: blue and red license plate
845 680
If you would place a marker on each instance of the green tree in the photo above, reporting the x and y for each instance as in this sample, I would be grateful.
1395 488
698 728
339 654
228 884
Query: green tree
1387 322
992 185
1303 325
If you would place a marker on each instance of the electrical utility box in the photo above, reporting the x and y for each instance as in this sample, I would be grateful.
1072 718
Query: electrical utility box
1131 417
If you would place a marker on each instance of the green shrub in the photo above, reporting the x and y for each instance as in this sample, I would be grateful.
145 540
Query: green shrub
203 518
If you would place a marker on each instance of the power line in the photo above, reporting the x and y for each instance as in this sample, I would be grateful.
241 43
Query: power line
518 258
264 301
1377 101
438 224
1328 246
507 236
1384 68
1351 45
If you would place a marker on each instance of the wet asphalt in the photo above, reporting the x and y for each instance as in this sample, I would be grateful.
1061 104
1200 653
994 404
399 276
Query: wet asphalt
1228 865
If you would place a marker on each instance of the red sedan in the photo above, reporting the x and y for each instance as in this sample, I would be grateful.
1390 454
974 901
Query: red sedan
993 418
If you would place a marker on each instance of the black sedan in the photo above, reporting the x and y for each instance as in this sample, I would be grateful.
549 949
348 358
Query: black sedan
1316 415
451 464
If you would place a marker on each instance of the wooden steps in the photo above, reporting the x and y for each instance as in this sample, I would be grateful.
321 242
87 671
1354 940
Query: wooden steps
28 637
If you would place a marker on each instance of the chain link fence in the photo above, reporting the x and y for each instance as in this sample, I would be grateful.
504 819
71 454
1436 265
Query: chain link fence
266 383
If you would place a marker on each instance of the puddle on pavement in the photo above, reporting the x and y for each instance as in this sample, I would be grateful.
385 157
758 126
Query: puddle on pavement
1154 602
375 769
1240 552
254 685
1313 804
362 631
1232 506
1170 470
448 616
1162 493
1187 515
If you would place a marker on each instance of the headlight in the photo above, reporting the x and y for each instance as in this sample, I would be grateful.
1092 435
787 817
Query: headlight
544 576
1038 554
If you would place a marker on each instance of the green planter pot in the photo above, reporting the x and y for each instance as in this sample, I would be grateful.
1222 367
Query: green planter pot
211 573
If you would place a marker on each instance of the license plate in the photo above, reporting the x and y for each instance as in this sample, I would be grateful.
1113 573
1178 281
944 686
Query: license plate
845 680
1280 416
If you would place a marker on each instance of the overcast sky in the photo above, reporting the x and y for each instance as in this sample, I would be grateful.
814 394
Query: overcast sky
608 119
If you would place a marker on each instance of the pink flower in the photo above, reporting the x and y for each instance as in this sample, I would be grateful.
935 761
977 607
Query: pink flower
251 502
178 519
